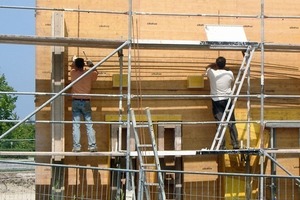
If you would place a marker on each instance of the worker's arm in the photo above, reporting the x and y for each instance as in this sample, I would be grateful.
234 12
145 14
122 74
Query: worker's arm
89 63
212 66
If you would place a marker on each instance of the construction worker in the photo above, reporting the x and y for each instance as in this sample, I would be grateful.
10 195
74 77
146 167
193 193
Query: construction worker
221 79
81 104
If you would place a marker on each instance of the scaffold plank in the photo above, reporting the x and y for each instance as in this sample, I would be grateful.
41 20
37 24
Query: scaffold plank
149 153
282 124
142 44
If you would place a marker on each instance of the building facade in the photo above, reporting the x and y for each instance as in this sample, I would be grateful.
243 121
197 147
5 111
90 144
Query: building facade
160 67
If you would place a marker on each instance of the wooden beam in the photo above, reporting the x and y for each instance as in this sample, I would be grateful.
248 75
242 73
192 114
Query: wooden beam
57 76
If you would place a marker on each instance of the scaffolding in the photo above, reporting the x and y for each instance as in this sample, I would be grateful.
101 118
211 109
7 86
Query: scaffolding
130 44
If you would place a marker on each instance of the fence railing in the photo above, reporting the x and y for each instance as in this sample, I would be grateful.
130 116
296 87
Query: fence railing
58 181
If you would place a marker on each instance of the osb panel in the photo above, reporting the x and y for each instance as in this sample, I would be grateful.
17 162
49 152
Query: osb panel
43 63
43 175
289 162
287 33
118 5
87 176
196 6
278 113
286 138
288 7
200 164
115 26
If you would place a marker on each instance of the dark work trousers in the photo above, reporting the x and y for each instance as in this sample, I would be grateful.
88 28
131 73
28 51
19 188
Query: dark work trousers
218 108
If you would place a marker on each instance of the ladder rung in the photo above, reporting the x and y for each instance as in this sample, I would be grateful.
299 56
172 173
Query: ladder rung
141 126
145 145
152 184
149 165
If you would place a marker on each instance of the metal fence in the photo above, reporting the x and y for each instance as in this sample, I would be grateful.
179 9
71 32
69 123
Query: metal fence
19 181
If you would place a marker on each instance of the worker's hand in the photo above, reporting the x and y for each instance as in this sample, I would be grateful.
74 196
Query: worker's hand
89 63
73 61
74 58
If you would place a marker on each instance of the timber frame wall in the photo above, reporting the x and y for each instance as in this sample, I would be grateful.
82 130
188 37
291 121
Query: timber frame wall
64 30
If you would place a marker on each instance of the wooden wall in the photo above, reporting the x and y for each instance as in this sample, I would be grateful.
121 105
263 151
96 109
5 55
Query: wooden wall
166 71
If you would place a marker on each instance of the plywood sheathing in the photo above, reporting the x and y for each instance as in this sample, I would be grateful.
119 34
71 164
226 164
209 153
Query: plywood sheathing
166 72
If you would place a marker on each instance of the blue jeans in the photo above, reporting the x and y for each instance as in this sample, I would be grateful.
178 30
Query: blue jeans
82 108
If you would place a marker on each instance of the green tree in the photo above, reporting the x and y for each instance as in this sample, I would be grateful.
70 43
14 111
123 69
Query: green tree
7 105
22 138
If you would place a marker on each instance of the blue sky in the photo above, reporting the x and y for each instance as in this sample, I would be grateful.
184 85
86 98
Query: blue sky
18 61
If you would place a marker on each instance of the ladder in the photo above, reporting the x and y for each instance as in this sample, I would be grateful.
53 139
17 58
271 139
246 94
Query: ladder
142 152
223 124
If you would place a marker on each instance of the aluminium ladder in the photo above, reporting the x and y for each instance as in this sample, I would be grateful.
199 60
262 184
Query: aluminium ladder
142 154
223 124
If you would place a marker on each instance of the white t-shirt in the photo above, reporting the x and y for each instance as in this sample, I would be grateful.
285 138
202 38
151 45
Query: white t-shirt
220 82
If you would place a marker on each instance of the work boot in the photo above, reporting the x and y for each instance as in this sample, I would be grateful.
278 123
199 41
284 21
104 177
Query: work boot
93 149
76 149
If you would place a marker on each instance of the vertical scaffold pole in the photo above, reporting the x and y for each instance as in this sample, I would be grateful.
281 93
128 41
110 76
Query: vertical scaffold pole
262 15
129 176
